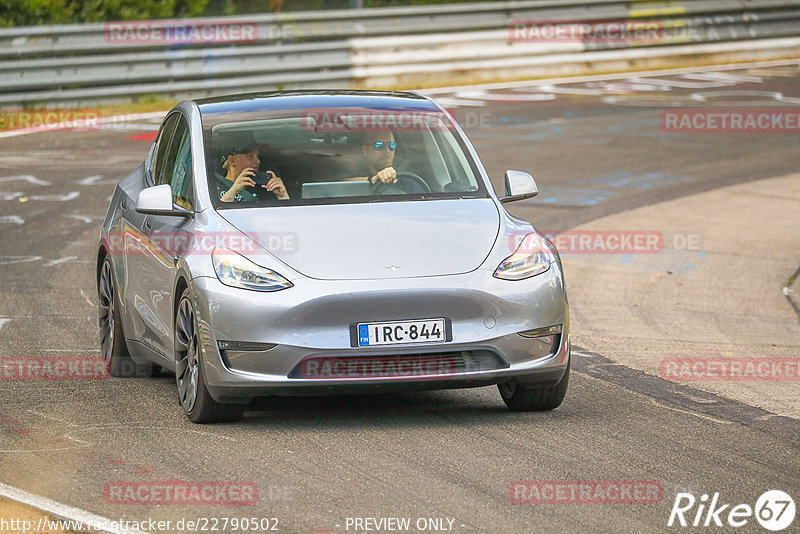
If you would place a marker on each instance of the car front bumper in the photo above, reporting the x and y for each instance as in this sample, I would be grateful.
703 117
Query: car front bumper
313 320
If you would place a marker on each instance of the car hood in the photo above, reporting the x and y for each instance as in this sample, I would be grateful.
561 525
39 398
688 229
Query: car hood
376 240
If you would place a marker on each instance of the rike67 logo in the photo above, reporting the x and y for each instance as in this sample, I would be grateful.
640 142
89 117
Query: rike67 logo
774 510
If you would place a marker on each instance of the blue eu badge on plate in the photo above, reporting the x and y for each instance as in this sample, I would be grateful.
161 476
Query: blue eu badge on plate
363 334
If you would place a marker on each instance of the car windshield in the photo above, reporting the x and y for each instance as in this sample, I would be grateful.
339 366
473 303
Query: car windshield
348 155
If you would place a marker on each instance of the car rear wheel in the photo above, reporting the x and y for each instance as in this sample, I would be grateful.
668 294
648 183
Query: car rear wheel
194 398
521 397
113 349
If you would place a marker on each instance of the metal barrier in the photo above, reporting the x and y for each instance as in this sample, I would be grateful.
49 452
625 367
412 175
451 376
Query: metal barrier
379 47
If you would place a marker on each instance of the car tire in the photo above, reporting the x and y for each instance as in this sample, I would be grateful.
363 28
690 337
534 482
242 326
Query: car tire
113 348
521 397
193 396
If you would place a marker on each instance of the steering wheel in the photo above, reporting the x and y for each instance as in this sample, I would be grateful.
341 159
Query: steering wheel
382 188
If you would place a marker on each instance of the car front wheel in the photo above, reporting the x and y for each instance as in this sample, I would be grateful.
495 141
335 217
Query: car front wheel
194 398
521 397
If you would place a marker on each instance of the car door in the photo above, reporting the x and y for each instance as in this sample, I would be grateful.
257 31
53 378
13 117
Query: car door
139 324
168 238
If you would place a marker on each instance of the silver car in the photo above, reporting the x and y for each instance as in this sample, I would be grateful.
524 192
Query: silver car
326 242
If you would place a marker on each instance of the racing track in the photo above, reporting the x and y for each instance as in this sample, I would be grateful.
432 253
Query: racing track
595 148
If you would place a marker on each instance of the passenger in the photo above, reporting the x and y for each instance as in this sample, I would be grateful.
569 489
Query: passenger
240 165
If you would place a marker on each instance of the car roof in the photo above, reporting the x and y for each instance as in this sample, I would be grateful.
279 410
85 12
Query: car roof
276 100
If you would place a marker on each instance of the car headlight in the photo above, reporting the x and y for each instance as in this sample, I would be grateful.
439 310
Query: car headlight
235 270
533 256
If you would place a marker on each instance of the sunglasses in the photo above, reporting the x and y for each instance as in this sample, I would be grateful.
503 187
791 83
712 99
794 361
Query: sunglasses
380 145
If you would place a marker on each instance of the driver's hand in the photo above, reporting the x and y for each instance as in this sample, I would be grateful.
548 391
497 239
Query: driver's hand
276 186
386 176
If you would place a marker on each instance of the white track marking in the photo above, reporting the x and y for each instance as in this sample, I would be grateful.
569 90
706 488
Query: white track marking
505 97
50 417
86 298
566 90
714 419
96 180
59 261
70 126
90 180
599 77
12 219
61 510
133 425
56 198
450 102
725 77
4 320
767 95
26 177
685 82
10 196
11 260
676 101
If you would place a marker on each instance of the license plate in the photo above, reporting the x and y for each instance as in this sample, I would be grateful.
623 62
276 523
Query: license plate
393 333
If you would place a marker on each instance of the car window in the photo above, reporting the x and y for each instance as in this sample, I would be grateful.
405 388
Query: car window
330 156
177 168
454 159
162 143
182 189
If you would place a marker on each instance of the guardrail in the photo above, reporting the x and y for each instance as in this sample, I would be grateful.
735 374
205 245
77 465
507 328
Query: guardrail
379 47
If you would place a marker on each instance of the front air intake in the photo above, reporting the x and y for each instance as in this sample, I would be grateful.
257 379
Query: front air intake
441 364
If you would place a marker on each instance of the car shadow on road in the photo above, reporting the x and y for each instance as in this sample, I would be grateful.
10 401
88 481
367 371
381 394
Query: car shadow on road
398 409
420 408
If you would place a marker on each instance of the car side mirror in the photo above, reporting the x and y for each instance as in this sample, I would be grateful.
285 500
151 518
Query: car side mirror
519 186
157 200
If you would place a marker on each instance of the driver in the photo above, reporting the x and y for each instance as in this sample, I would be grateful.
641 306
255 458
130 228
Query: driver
240 164
378 150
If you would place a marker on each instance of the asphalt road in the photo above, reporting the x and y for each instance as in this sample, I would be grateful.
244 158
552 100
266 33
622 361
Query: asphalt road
595 148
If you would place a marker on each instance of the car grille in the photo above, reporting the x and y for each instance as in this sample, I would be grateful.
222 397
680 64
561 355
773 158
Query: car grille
440 364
